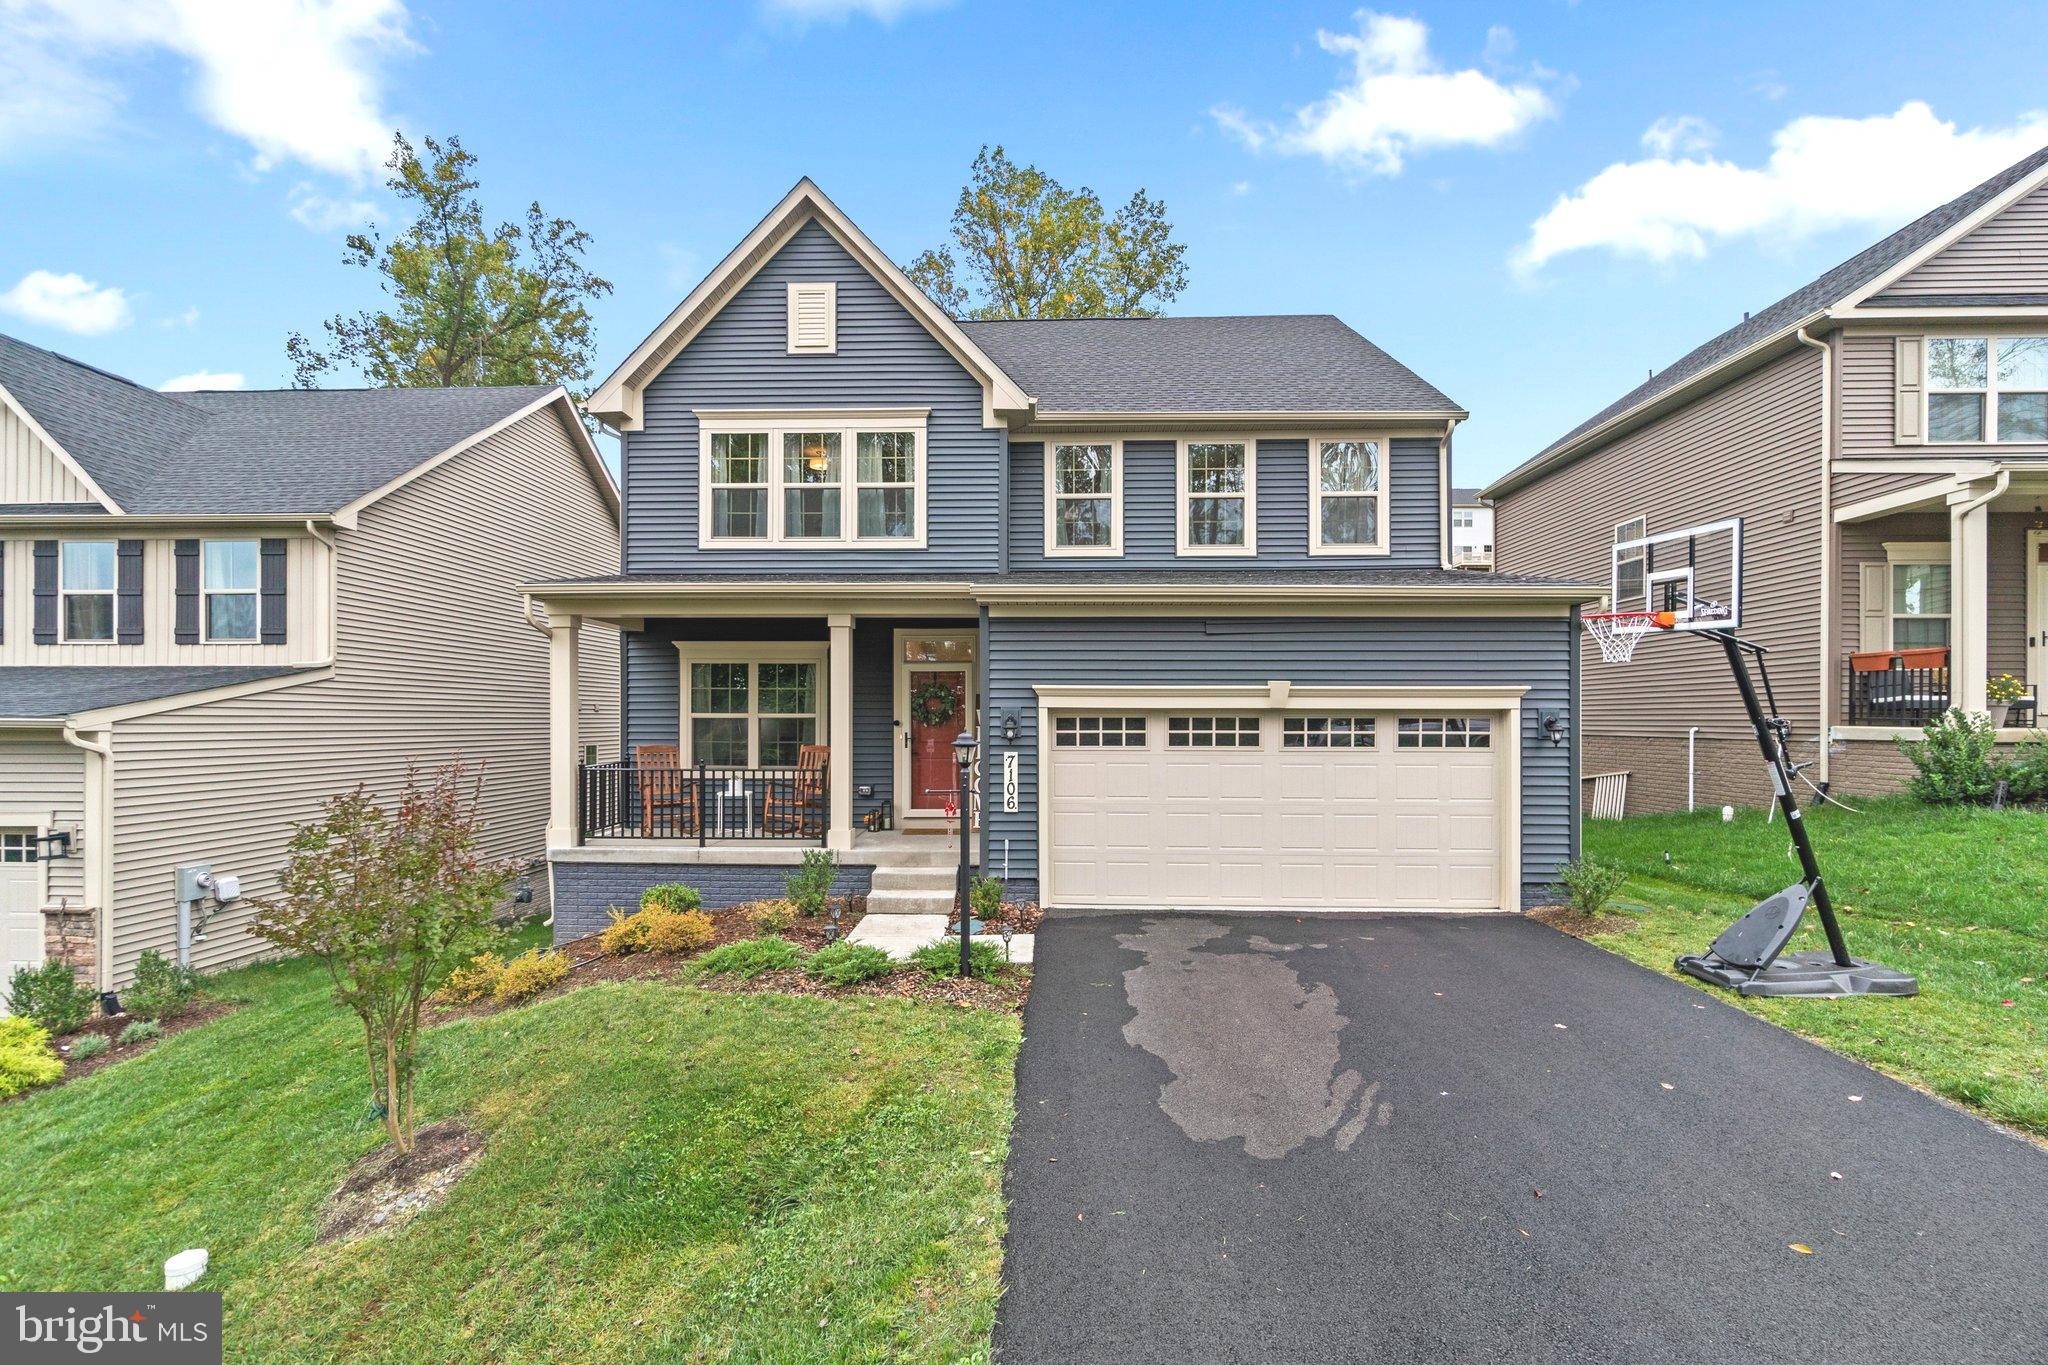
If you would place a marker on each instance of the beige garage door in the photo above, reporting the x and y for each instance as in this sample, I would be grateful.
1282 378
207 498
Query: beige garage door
1278 810
21 916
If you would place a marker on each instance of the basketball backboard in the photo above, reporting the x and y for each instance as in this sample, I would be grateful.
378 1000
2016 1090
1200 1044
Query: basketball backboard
1691 578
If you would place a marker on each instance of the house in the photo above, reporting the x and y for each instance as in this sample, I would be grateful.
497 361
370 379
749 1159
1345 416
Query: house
218 609
1883 434
1186 580
1471 530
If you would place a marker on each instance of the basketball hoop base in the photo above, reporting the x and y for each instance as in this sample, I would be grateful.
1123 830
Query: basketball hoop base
1813 973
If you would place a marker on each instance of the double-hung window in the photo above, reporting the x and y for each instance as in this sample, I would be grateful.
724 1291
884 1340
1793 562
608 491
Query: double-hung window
1217 510
751 706
848 480
1987 389
1348 496
1631 566
229 584
1084 498
85 589
1919 605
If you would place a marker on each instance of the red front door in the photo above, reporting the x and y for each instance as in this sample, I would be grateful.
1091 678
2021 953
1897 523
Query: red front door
933 775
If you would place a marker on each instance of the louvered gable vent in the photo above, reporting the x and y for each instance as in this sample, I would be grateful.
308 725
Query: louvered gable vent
813 319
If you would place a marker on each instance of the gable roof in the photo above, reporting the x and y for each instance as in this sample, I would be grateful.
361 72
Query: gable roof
1467 497
1871 266
1297 363
277 452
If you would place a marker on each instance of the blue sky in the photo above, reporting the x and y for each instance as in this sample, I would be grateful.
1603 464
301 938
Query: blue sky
1529 204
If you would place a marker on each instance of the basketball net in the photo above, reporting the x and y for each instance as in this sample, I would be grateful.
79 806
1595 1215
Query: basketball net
1616 632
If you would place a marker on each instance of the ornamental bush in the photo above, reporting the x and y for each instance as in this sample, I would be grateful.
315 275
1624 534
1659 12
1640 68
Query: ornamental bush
812 882
26 1058
532 972
671 896
475 980
1953 760
747 958
141 1031
89 1046
847 964
1590 885
676 931
52 996
161 988
942 959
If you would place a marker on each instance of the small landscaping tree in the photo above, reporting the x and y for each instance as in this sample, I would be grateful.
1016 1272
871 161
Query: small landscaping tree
392 901
1954 760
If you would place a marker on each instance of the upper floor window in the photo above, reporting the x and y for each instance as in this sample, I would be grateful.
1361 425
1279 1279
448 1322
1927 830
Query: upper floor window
1463 519
1631 586
803 483
1348 497
1987 389
85 587
1217 509
229 583
1083 498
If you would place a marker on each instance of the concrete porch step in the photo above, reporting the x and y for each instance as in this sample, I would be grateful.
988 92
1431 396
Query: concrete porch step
910 902
899 877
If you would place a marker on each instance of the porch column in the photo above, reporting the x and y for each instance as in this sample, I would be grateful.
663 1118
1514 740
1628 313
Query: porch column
1969 550
839 710
564 658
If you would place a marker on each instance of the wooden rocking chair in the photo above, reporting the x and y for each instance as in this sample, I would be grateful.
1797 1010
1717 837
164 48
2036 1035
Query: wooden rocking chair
668 794
795 802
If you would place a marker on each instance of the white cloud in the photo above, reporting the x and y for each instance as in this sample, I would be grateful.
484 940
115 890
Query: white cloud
297 80
1240 187
320 213
1682 135
1823 173
1398 101
71 302
204 379
188 318
803 12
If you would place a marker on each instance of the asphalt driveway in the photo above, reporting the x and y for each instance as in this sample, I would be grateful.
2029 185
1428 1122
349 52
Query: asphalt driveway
1324 1139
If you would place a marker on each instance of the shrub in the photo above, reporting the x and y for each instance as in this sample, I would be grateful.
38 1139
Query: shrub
671 896
985 895
1953 761
847 964
2026 773
747 958
775 916
676 931
942 959
475 980
141 1031
26 1060
1590 885
812 881
532 972
160 989
51 996
625 934
89 1046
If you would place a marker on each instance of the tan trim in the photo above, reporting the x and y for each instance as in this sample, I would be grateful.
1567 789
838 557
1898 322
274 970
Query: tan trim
1408 423
802 291
111 715
1182 495
837 725
846 423
899 686
2037 611
752 652
96 830
1563 594
1828 644
1916 551
1885 734
64 456
1899 500
1865 320
617 401
129 524
1115 548
1948 236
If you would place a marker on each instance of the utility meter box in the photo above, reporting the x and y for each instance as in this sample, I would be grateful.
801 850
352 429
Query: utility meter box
227 887
195 881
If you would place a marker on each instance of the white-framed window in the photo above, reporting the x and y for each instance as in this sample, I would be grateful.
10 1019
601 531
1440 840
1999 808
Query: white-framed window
1987 389
1084 496
1098 732
85 591
813 480
1326 732
1347 491
1920 604
230 587
1216 505
1444 732
1631 569
750 705
1464 519
1212 732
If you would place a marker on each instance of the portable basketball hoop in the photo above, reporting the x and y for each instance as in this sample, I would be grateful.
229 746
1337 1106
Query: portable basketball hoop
1701 594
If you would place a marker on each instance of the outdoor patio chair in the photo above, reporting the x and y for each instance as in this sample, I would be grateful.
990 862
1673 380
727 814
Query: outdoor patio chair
795 800
668 794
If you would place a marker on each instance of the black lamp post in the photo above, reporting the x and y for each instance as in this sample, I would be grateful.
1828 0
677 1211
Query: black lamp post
963 754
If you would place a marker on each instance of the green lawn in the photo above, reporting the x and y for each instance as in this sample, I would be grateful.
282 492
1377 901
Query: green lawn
671 1174
1954 895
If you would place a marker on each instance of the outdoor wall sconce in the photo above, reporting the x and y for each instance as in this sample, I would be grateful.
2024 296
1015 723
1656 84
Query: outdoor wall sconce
1554 728
54 846
1011 727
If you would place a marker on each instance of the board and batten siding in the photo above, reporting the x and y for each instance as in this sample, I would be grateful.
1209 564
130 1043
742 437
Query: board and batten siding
2007 255
1414 510
1749 449
433 665
1534 652
32 472
307 604
42 782
885 359
1868 412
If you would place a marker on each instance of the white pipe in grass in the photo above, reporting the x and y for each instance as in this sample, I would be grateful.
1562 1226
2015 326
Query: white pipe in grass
185 1268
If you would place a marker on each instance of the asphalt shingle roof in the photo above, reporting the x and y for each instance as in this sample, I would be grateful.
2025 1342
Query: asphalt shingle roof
1286 363
277 451
47 693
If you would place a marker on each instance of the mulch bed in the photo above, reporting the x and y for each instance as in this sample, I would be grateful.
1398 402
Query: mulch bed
1007 992
1566 920
197 1013
1022 918
384 1190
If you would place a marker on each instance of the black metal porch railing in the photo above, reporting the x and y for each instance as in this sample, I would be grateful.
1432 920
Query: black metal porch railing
1897 696
629 801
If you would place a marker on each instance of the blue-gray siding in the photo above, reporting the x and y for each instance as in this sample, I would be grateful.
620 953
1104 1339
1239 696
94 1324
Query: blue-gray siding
586 893
1532 652
886 358
1413 510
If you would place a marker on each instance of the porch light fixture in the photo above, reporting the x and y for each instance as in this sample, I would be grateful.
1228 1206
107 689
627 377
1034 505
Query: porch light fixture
1554 728
1011 729
963 754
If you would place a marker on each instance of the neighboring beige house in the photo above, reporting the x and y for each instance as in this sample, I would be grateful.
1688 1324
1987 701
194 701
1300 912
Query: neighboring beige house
1471 530
218 609
1883 433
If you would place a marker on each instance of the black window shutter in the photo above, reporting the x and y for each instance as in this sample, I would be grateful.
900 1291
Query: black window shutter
186 624
272 582
46 592
128 593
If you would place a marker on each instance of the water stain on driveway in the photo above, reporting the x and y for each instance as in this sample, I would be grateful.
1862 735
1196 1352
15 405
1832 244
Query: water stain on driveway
1252 1049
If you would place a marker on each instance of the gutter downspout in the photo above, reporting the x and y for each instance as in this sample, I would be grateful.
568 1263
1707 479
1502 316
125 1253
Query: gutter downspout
1692 740
1826 652
333 584
1443 492
98 830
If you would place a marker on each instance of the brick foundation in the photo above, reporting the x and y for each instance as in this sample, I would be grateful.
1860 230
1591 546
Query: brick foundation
1726 772
585 893
71 935
1875 767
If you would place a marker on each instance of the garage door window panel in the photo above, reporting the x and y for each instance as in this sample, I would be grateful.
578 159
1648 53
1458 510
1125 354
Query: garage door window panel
1098 732
1326 732
1212 732
1445 732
